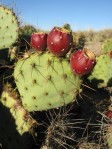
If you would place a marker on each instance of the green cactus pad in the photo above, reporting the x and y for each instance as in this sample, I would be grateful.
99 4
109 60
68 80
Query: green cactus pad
23 120
107 46
9 136
102 71
45 82
16 124
8 27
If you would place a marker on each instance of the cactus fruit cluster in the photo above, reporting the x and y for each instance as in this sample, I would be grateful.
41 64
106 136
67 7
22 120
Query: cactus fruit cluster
8 27
47 80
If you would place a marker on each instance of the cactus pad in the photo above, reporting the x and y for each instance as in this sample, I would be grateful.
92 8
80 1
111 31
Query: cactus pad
16 124
102 71
8 27
23 120
45 82
107 46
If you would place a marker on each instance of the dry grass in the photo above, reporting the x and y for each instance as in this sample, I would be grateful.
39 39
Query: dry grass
94 46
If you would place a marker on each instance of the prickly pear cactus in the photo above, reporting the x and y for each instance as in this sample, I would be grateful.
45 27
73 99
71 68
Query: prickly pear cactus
16 124
23 120
27 30
107 46
102 72
8 27
45 82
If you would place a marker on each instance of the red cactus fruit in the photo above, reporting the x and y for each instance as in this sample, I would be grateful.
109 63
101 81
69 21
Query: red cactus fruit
39 41
109 114
82 61
59 41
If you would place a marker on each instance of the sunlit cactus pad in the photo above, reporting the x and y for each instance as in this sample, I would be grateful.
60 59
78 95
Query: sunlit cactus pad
107 46
45 82
8 27
102 71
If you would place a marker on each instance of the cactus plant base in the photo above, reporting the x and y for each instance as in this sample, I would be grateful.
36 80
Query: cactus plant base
9 136
16 124
109 136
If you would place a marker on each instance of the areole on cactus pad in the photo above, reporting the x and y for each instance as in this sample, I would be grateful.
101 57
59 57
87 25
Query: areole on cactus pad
45 82
59 41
